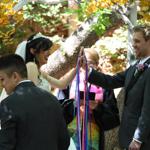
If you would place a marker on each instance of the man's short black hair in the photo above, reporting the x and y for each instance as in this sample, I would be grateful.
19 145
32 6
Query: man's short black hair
13 63
145 29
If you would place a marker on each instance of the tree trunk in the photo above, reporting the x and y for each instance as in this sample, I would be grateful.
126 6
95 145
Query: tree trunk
65 58
133 18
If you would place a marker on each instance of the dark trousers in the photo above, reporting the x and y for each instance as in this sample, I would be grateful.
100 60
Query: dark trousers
102 140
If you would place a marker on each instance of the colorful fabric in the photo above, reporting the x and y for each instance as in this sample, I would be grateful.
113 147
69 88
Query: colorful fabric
93 129
93 134
92 89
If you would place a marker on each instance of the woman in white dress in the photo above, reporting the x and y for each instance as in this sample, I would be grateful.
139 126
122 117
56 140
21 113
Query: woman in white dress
35 52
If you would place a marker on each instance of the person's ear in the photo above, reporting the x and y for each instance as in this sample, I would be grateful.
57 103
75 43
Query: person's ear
32 51
16 77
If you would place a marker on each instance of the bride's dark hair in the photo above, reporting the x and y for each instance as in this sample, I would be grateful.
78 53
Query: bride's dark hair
39 44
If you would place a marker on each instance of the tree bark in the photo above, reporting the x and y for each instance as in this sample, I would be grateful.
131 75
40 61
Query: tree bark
133 18
62 60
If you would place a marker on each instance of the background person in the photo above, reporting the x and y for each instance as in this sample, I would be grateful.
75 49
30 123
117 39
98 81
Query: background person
35 52
36 116
96 95
95 98
134 133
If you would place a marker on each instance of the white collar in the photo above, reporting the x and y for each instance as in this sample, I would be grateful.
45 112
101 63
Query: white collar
143 60
24 81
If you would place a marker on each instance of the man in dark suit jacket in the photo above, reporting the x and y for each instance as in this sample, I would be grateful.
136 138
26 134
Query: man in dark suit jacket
33 118
134 131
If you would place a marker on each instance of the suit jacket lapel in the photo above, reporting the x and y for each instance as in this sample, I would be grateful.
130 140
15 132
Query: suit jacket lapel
133 79
130 76
147 61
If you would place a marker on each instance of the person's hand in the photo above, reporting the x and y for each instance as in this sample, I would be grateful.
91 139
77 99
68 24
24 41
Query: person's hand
134 145
82 58
81 53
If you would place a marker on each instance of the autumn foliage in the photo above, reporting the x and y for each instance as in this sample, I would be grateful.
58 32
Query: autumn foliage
9 21
144 7
145 10
94 5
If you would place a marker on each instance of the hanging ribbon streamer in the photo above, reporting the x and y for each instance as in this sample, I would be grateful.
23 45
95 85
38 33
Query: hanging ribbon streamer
82 124
78 107
86 110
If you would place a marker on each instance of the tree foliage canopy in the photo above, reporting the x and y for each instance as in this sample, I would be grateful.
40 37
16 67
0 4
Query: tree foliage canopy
9 22
50 19
34 17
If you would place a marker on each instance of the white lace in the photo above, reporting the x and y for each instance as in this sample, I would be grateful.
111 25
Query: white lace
38 35
21 49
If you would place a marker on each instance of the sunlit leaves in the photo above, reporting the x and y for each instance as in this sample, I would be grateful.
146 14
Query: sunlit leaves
9 19
16 26
145 10
95 5
49 17
103 21
113 50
